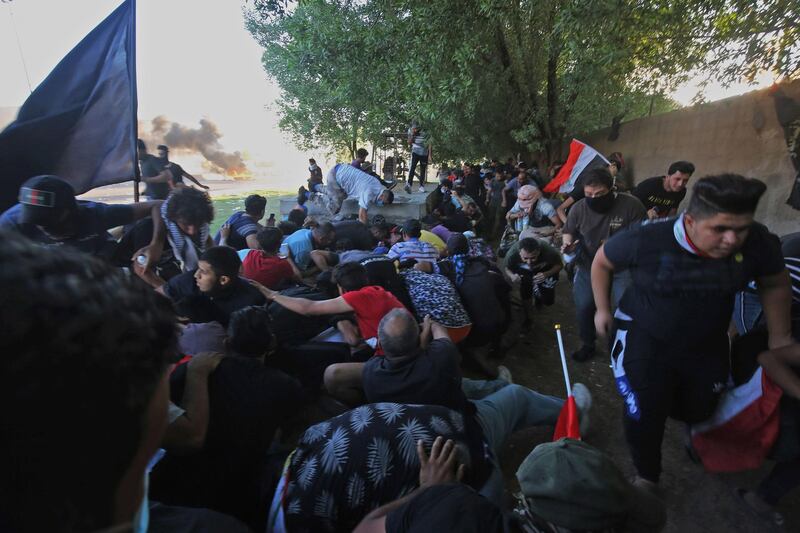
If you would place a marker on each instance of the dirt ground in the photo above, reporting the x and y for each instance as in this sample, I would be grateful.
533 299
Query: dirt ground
696 500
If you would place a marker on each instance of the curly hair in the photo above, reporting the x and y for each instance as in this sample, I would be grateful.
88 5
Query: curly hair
190 206
84 347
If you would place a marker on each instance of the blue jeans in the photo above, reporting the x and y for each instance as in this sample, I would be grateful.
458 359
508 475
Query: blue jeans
584 301
510 408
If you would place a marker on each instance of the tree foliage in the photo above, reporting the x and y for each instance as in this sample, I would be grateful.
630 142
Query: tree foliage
497 77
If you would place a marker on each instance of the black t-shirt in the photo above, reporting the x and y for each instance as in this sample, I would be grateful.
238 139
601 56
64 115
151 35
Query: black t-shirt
240 295
152 166
452 507
177 172
430 377
652 194
473 186
548 258
243 418
458 222
678 296
484 291
356 233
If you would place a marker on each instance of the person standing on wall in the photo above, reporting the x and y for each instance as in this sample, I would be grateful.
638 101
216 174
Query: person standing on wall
420 155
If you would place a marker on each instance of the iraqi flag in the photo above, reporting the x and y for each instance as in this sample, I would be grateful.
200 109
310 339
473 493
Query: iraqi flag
568 424
743 429
582 158
80 122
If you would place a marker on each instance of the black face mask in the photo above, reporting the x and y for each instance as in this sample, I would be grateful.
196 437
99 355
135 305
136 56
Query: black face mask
601 204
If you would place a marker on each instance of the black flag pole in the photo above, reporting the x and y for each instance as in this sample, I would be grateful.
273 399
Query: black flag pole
135 103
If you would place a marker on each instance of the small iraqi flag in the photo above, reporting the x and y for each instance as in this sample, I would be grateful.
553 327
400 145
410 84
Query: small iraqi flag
568 424
582 158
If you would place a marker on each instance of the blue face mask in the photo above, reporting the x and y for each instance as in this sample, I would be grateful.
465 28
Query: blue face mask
379 202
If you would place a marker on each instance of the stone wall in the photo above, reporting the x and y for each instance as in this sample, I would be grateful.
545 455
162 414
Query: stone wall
739 134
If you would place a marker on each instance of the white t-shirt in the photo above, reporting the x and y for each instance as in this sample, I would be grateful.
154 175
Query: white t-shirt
358 184
419 144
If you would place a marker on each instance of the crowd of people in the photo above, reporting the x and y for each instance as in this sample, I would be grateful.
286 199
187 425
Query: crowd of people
306 374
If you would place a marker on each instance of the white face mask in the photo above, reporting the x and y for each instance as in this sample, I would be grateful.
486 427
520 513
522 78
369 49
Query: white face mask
313 167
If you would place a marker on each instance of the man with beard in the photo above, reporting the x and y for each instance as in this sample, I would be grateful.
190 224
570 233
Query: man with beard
592 221
671 349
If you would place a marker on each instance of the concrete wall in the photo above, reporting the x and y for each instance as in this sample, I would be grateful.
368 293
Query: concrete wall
739 134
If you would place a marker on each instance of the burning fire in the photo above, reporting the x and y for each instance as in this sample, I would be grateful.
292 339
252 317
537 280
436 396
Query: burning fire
239 173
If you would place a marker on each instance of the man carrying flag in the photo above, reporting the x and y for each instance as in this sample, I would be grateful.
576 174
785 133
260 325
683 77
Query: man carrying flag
670 352
80 122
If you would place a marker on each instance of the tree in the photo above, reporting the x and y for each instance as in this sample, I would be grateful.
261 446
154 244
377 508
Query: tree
492 77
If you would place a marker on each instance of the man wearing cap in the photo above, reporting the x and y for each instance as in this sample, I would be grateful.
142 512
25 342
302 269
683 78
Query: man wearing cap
346 181
671 349
411 247
569 485
177 171
48 213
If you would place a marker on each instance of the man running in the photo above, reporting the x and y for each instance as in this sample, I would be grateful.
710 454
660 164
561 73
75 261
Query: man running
661 195
670 354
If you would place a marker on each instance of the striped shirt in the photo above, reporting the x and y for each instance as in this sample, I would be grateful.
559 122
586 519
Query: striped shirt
413 249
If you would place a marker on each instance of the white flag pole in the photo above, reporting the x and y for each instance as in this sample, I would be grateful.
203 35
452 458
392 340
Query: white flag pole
563 360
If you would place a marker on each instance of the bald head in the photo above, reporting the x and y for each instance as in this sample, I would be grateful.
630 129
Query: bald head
398 333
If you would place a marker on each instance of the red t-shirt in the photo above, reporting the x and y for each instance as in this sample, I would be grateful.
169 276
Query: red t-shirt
371 304
270 271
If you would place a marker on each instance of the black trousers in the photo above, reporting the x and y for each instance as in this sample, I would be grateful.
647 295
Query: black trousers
661 380
422 161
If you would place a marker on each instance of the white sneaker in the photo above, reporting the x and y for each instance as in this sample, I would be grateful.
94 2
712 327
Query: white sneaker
421 189
504 373
583 400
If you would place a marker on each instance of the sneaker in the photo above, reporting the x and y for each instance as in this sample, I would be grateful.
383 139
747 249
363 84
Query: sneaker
584 354
583 401
421 189
407 188
504 373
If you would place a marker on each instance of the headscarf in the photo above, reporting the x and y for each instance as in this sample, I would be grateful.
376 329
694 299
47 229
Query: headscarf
185 249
